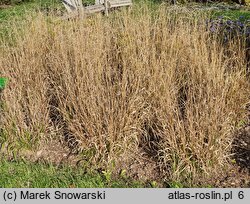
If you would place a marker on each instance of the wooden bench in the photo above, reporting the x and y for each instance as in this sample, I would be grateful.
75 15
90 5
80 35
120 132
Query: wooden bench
75 6
116 3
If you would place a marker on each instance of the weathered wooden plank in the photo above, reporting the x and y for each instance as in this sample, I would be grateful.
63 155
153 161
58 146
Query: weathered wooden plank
106 7
72 5
99 2
94 8
119 3
68 5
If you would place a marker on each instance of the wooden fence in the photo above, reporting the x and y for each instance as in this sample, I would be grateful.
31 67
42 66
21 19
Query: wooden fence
75 6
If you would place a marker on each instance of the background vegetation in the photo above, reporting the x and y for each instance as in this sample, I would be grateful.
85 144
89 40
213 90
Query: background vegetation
13 1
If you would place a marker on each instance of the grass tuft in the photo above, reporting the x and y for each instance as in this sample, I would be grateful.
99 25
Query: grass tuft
141 83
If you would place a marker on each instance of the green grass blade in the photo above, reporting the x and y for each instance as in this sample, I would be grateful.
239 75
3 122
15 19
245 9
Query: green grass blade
3 82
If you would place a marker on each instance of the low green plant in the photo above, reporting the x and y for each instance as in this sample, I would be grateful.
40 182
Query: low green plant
176 184
153 184
25 174
107 175
3 82
123 174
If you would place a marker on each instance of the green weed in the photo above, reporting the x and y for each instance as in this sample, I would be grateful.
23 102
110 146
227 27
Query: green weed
22 174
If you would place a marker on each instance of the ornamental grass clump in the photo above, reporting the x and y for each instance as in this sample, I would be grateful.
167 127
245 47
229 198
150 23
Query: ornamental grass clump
142 87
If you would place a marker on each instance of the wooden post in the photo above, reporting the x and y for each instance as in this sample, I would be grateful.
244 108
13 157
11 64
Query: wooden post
106 7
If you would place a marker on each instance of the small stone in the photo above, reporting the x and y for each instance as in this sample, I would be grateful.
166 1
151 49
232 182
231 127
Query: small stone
39 153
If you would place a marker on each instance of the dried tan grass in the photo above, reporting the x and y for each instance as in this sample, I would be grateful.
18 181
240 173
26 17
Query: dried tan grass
151 81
